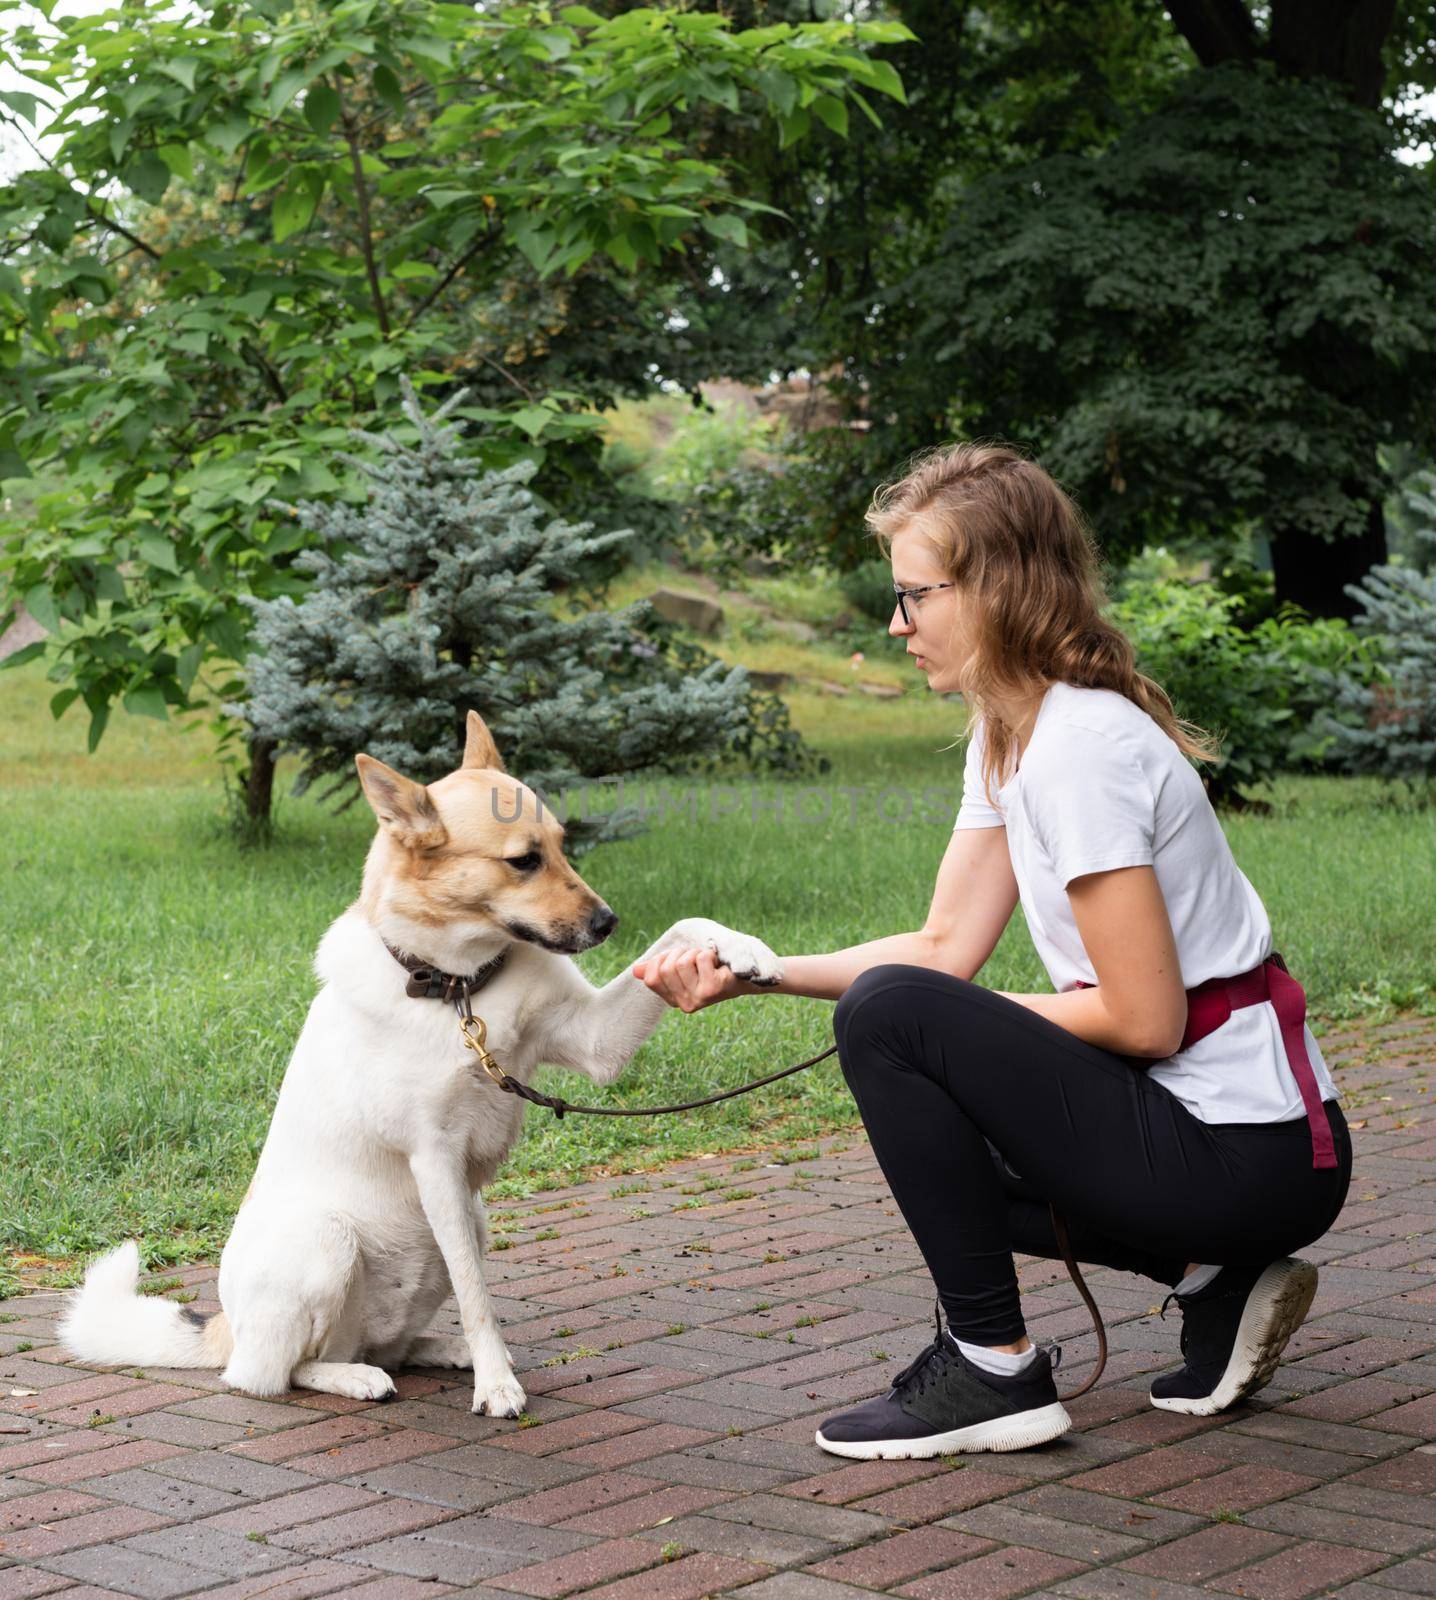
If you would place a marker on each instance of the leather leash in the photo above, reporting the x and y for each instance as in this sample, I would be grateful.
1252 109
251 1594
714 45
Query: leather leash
427 982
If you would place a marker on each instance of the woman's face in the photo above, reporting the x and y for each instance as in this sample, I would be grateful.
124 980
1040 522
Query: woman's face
934 636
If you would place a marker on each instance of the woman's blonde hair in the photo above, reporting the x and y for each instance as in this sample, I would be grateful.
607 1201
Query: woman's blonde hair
1030 579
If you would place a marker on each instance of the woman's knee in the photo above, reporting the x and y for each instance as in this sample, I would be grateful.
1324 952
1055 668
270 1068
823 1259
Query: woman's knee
889 995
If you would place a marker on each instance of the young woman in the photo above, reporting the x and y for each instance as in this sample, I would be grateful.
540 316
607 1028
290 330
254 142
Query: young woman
1168 1099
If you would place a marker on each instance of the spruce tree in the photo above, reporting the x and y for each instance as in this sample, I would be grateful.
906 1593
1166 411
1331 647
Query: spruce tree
1395 718
452 587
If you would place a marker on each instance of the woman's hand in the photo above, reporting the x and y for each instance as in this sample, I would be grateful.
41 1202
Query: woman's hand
691 979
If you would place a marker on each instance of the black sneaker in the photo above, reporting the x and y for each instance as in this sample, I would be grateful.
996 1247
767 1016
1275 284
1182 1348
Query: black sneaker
1233 1334
943 1404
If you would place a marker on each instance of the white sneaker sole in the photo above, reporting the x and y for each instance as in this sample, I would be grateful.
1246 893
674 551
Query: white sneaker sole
1019 1432
1275 1309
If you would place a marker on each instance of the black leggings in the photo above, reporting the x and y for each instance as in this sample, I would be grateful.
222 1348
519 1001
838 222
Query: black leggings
962 1090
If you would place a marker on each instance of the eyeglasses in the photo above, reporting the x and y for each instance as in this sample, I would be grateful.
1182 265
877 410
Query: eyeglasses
904 595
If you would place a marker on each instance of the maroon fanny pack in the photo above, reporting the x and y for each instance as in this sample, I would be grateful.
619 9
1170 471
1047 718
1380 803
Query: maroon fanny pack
1211 1004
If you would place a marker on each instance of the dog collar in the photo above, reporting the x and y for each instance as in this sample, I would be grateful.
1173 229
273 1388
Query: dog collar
426 982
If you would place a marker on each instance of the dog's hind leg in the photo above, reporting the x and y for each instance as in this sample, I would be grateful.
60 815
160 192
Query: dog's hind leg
293 1308
432 1350
351 1378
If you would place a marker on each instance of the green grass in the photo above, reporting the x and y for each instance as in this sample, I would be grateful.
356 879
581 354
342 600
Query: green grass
155 975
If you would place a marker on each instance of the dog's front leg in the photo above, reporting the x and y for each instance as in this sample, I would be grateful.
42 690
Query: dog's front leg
449 1208
597 1031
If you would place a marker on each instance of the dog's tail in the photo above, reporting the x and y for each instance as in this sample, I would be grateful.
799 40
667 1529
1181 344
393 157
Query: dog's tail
109 1323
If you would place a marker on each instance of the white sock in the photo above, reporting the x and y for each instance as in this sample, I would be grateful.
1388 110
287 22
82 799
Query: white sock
1198 1278
1001 1362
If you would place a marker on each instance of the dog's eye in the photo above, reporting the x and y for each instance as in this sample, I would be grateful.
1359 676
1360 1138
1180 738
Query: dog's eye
525 863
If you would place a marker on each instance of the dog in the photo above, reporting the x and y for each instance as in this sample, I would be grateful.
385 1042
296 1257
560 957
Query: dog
365 1207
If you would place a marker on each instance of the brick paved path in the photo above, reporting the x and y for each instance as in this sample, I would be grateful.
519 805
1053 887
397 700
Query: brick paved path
680 1335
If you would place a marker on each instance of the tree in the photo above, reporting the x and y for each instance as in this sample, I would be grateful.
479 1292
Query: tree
258 215
1065 144
456 589
1247 320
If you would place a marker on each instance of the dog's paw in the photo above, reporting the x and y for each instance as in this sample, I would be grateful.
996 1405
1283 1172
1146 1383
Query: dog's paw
746 957
499 1396
360 1382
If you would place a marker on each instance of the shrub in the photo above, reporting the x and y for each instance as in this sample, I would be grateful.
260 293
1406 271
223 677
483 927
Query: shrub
868 587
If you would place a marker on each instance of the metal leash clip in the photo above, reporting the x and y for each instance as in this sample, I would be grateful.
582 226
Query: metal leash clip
476 1039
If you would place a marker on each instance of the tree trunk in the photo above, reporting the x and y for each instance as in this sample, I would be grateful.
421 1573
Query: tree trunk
1313 572
259 785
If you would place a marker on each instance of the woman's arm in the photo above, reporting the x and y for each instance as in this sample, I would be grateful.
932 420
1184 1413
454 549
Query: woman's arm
972 902
1139 1006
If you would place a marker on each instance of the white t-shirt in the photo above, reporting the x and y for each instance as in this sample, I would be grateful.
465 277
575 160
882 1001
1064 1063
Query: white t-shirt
1101 786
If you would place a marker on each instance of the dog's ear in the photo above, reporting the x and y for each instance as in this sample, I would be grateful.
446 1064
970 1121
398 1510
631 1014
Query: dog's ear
405 809
479 747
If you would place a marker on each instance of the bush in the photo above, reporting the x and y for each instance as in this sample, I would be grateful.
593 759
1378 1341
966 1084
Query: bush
868 588
1260 689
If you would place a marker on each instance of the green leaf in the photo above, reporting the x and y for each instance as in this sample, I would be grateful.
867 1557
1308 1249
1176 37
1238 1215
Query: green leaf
148 177
99 717
387 87
159 552
286 86
532 420
39 601
831 111
21 656
321 108
178 159
26 105
230 134
61 703
294 206
581 17
724 225
146 701
181 70
188 665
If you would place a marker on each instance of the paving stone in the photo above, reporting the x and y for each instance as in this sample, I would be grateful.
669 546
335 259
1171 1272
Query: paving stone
299 1582
1148 1522
440 1486
645 1511
174 1498
1409 1577
289 1510
688 1579
859 1480
28 1583
91 1527
30 1507
1362 1500
1111 1583
151 1577
1414 1473
584 1569
364 1455
1005 1523
993 1577
771 1546
931 1498
1202 1555
834 1524
468 1549
1303 1569
77 1469
901 1556
382 1518
799 1586
1302 1520
1235 1489
231 1555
